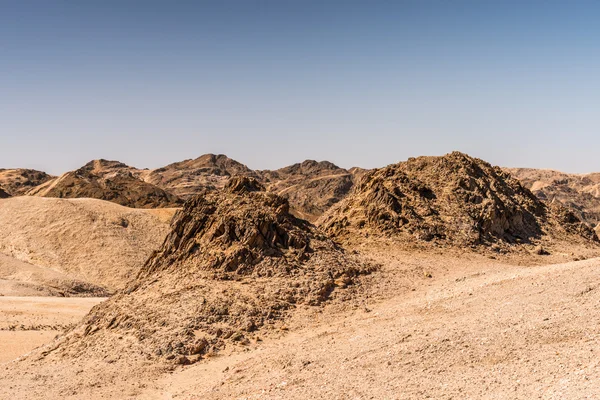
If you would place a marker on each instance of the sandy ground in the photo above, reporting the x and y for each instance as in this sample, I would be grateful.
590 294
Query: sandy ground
514 333
88 240
477 329
28 322
15 344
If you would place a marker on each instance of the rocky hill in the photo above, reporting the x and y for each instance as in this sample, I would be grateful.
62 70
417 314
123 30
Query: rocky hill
579 193
107 180
87 240
17 182
191 177
235 262
454 200
311 187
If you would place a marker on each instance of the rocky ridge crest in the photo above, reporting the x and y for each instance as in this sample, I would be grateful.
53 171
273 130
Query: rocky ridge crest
236 261
454 199
107 180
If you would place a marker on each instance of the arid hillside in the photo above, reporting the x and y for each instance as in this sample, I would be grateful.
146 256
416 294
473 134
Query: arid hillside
580 193
451 200
191 177
311 187
470 325
235 266
107 180
19 278
89 240
17 182
245 300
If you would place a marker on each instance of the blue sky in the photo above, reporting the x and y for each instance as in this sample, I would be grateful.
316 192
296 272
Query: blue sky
271 83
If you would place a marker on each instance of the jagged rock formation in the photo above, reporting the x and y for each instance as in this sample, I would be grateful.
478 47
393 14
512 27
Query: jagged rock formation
107 180
311 187
235 261
358 172
191 177
454 199
17 182
578 193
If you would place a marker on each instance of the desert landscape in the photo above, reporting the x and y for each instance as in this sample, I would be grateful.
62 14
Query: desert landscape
299 200
436 277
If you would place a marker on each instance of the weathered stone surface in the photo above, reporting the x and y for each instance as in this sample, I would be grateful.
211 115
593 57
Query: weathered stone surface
18 182
454 199
234 262
108 180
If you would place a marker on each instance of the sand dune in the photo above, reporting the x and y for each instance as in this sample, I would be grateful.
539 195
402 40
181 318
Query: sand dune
18 278
90 240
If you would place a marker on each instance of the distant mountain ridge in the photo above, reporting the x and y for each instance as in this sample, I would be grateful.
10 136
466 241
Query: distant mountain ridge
17 182
190 177
580 193
311 187
107 180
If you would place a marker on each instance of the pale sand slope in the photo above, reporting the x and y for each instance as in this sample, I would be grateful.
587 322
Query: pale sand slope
477 329
18 278
91 240
28 322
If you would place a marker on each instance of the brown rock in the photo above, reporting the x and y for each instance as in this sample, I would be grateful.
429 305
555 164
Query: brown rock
540 251
188 178
580 193
107 180
311 187
18 182
454 199
192 287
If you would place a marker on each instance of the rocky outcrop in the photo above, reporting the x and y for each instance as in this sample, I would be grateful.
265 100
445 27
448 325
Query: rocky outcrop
18 182
580 193
454 199
3 194
108 180
188 178
236 261
311 187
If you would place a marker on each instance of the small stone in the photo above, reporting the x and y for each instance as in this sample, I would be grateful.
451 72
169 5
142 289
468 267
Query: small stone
540 251
182 360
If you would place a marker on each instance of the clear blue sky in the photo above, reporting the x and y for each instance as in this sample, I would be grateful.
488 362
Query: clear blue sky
270 83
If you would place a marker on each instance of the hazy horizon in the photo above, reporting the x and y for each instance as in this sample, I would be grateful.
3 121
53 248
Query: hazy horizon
272 83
